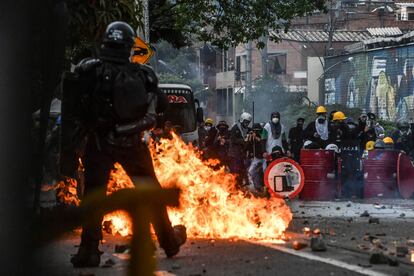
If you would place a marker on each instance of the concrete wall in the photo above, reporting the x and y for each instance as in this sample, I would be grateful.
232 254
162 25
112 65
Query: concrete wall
225 80
380 81
315 70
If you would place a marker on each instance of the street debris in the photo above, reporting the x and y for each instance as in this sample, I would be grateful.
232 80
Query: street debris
365 214
378 244
401 251
402 215
316 231
365 265
176 266
373 220
109 263
107 226
368 237
378 206
122 248
381 258
378 258
317 244
363 247
298 245
393 262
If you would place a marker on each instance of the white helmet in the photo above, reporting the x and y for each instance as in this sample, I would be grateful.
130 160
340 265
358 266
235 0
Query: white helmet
245 116
307 143
332 147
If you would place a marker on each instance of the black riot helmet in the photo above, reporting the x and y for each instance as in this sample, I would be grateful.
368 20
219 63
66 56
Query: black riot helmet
117 41
403 125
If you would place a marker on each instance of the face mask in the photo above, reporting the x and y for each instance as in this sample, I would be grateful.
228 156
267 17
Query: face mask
207 128
275 120
245 123
321 120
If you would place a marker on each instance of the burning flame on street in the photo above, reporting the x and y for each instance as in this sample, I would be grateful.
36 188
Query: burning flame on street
210 204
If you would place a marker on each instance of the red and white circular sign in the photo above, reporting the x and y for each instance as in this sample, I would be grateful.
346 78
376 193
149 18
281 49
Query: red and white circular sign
284 178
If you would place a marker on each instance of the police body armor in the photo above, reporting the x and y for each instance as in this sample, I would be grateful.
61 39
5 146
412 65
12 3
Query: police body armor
96 98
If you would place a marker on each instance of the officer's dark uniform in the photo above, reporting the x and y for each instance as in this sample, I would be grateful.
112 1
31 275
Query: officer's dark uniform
351 170
237 153
403 138
296 139
117 108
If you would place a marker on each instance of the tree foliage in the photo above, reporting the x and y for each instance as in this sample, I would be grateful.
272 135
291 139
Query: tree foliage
227 23
181 62
222 22
195 84
88 20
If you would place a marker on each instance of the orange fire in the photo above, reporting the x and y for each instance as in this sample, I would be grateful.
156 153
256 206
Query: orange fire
210 204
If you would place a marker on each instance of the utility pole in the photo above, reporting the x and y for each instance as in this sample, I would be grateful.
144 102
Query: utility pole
330 31
144 18
264 57
248 69
146 21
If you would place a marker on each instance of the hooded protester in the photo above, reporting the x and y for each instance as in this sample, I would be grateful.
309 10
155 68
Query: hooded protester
209 138
237 153
296 139
221 142
274 133
256 148
373 124
318 131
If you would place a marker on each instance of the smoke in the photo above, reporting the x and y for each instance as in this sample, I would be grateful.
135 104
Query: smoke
181 62
269 96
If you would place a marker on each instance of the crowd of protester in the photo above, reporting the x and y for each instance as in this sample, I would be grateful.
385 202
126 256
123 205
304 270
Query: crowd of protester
247 148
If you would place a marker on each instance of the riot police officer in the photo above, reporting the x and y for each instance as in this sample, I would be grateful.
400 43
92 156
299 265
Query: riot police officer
119 103
237 149
403 137
346 134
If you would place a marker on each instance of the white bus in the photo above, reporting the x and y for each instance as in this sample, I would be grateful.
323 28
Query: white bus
182 110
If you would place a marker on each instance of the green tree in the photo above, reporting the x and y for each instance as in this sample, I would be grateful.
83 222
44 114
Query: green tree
227 23
222 22
88 20
195 84
181 62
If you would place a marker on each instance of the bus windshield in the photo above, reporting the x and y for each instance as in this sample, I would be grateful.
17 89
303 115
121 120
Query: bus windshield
181 109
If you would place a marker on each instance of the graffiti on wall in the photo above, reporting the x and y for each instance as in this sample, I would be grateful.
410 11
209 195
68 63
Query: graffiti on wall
379 81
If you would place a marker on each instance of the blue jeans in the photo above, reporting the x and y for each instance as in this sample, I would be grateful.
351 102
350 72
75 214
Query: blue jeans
255 173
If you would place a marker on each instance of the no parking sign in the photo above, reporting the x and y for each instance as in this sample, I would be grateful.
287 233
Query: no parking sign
284 178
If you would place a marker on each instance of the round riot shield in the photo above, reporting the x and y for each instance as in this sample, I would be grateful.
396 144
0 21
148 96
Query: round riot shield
284 178
405 176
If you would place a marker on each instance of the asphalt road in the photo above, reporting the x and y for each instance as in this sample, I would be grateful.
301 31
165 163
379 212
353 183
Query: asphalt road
226 257
198 257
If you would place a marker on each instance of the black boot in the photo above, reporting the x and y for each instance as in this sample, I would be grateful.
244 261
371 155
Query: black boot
88 255
179 238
